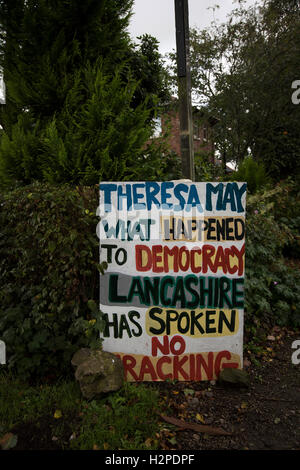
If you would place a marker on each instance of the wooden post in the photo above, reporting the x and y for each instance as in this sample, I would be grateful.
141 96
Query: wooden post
184 89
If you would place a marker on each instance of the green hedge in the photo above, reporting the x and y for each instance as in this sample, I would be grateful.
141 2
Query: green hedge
272 282
49 272
253 172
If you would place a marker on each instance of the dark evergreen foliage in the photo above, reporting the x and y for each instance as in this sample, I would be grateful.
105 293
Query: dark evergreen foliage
80 96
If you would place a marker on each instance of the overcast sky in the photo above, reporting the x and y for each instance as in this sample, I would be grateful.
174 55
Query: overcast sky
157 17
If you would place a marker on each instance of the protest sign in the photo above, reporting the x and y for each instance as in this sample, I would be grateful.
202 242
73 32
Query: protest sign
173 293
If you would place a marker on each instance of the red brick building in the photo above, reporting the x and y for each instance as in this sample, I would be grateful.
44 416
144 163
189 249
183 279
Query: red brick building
168 124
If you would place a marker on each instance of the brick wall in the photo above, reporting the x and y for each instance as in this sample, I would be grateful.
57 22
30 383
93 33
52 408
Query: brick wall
202 133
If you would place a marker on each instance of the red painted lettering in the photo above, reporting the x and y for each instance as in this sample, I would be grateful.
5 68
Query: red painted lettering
156 344
147 368
208 252
194 268
220 261
159 365
139 249
177 367
207 366
228 254
181 341
218 362
184 258
129 363
239 254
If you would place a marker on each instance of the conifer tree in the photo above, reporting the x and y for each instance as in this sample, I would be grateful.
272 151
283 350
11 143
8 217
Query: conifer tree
74 109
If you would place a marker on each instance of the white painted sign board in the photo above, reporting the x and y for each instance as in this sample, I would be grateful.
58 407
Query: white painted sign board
173 293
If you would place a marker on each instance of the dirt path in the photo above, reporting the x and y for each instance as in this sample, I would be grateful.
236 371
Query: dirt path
265 416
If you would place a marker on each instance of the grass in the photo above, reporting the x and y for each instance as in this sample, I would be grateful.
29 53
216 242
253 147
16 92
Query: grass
125 419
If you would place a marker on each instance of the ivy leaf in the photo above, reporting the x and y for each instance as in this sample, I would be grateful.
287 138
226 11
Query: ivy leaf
93 306
102 267
51 246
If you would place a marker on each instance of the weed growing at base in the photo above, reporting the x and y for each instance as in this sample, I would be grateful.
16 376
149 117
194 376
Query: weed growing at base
126 419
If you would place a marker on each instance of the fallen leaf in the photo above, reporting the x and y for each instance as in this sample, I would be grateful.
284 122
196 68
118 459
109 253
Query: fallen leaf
276 420
57 414
105 446
148 442
247 363
95 447
8 441
173 441
195 427
244 405
200 418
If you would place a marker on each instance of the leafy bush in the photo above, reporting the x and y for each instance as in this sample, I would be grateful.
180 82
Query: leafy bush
172 169
205 170
98 135
49 276
287 213
272 286
253 173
